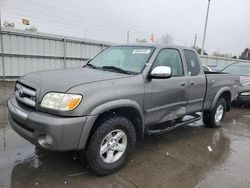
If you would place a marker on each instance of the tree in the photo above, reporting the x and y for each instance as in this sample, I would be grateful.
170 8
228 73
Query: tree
8 24
245 54
165 39
199 51
218 54
141 40
32 28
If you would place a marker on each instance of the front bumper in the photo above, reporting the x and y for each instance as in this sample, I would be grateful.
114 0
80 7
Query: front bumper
243 98
30 124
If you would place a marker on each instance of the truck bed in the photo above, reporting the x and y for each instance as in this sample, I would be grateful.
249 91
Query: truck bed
216 82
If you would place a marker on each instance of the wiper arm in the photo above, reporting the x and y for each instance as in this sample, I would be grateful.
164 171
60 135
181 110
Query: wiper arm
90 65
116 69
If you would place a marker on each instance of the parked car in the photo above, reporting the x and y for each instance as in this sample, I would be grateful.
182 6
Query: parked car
207 68
242 69
123 93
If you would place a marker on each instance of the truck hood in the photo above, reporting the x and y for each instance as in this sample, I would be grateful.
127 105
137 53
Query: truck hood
62 80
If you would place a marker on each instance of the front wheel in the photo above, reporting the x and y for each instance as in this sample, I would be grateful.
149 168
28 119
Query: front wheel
111 145
215 117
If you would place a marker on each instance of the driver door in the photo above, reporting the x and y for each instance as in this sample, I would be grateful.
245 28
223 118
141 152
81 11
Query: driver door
165 99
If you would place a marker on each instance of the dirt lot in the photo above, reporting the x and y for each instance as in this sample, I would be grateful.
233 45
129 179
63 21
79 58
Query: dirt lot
190 156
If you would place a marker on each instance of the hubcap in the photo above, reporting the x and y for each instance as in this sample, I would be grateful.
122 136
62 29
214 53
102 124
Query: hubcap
113 146
219 113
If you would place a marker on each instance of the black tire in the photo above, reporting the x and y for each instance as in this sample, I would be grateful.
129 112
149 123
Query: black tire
93 158
209 116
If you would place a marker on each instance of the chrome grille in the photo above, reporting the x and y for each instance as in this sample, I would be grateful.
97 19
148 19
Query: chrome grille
25 95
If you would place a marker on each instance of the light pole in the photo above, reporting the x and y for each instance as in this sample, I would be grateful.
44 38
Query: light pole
1 43
205 29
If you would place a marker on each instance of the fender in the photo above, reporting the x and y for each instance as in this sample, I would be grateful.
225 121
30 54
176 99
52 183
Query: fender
104 108
218 94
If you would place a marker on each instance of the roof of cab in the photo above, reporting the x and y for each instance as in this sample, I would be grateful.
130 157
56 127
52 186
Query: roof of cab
156 46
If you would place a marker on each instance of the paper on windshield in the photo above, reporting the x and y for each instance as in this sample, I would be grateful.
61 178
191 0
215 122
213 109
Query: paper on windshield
141 51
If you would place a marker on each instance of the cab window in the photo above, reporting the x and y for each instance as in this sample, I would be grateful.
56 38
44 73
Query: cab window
171 58
193 64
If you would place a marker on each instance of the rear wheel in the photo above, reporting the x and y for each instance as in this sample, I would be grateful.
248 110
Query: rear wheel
215 117
111 145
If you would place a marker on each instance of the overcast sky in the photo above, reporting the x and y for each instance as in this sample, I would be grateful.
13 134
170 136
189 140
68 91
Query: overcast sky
228 25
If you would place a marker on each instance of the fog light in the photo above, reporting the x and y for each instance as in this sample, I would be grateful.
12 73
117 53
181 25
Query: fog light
45 140
245 94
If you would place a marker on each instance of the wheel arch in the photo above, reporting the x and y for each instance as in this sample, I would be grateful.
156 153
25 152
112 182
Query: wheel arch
127 108
223 93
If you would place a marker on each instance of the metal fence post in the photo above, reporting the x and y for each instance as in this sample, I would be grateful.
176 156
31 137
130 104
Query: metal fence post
217 61
64 53
102 46
2 55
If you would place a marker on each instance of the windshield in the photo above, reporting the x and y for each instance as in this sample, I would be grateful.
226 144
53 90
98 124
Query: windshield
239 69
126 59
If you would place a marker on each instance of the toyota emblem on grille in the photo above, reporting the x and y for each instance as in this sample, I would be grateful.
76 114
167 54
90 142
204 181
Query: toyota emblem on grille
20 92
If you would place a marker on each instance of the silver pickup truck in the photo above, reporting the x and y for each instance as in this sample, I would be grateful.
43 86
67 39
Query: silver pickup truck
126 91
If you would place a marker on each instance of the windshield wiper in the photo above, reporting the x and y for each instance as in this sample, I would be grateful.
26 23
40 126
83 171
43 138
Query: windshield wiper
116 69
90 65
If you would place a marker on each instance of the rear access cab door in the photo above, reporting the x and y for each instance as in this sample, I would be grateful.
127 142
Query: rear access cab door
196 81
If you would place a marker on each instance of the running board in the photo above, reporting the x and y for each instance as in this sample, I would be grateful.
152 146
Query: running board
195 117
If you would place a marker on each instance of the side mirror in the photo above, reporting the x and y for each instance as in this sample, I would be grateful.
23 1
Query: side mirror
161 72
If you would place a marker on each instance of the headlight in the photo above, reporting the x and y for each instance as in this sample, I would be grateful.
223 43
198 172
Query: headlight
61 101
246 84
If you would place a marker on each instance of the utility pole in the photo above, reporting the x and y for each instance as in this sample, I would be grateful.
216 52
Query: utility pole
205 29
127 36
1 41
195 39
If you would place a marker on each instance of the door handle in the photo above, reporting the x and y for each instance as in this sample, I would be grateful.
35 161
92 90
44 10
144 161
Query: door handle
192 83
183 84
